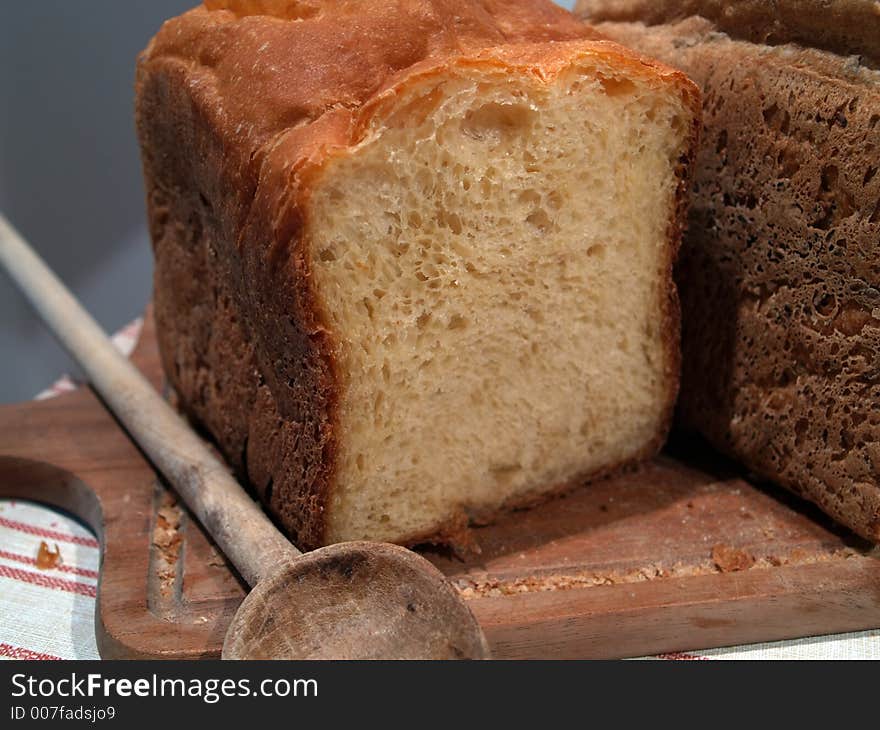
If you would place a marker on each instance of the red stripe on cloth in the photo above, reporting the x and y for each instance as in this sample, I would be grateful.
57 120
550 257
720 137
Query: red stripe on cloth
17 652
48 581
51 534
682 656
84 572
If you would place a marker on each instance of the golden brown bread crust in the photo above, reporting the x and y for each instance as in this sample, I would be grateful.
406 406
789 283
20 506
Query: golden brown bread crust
235 116
779 276
846 27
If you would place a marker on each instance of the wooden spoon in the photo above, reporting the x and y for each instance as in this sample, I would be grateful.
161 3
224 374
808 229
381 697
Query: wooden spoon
354 600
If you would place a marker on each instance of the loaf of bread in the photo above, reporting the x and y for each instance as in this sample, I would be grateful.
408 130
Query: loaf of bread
414 257
780 269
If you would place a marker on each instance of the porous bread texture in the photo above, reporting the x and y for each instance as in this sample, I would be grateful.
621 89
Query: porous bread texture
494 258
779 271
413 260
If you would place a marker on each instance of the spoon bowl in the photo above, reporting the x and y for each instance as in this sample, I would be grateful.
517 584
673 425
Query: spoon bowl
355 600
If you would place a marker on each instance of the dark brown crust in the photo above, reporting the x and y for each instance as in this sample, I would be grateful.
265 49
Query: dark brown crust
846 27
779 273
253 370
233 124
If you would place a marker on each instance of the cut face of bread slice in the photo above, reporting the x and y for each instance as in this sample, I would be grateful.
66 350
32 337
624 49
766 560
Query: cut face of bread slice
493 261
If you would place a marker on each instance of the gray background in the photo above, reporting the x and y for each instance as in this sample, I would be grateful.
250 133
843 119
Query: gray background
70 176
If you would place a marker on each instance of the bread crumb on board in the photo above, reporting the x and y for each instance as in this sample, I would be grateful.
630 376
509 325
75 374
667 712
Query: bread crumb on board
167 542
730 559
722 559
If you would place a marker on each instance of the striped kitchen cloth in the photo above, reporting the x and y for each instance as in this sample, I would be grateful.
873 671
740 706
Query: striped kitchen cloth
49 569
48 579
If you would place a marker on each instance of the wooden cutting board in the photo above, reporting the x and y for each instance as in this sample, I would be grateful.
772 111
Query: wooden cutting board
683 554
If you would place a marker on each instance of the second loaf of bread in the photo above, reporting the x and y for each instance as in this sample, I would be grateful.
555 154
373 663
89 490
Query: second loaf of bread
413 258
779 274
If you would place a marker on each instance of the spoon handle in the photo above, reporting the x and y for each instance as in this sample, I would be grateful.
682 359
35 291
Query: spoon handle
240 528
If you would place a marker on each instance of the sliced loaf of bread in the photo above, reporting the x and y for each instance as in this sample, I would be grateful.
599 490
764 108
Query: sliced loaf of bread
414 258
780 270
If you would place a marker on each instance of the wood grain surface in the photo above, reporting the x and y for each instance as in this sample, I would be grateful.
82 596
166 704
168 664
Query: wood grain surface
682 554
